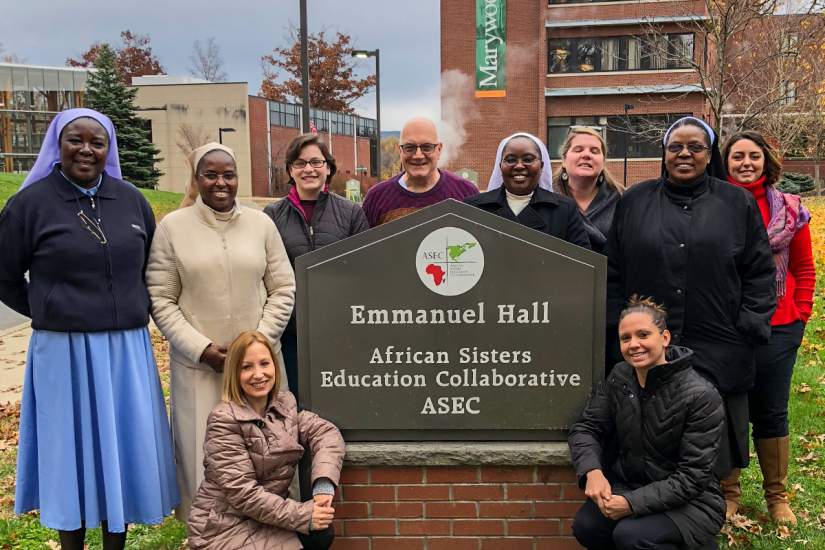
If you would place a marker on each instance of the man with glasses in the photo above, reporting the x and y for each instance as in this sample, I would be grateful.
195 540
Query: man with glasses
421 183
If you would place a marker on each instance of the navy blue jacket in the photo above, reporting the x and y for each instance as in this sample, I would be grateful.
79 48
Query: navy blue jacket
76 282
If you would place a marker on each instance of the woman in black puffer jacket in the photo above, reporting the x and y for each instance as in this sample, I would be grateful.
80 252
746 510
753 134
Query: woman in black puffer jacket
645 445
310 217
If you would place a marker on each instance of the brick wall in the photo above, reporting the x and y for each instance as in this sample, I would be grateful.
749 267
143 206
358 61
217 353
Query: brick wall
456 508
525 107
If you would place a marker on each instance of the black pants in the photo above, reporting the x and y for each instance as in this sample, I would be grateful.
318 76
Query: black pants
595 531
289 350
768 400
318 540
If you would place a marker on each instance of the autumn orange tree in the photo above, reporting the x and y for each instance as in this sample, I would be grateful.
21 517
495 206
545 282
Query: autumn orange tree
134 57
332 82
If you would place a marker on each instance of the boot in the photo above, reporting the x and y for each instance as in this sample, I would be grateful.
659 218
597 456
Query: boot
732 492
773 460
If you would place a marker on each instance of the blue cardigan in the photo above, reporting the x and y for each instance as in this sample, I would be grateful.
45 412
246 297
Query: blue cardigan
77 283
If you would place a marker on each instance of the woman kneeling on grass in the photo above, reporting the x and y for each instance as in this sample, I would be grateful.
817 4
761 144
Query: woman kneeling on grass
645 445
254 440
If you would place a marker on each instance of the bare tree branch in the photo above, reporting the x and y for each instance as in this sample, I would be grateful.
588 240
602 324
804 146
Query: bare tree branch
206 61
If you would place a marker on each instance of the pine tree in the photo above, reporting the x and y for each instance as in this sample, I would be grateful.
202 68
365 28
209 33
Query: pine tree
106 93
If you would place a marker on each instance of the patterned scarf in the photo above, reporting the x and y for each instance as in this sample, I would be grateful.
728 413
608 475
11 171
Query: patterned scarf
788 216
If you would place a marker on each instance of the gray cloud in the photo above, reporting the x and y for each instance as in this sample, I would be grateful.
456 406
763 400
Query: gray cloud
46 32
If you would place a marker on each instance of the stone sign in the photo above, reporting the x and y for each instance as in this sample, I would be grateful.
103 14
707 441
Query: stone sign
450 323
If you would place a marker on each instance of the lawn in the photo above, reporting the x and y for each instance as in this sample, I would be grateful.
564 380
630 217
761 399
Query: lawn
162 202
807 471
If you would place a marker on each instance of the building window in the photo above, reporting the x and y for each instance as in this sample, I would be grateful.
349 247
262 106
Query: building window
619 53
284 114
640 134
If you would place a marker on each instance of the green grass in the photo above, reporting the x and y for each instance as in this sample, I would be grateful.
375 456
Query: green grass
806 476
162 202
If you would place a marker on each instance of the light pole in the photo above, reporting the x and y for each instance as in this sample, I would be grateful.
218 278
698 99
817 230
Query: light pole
221 132
363 54
627 107
304 70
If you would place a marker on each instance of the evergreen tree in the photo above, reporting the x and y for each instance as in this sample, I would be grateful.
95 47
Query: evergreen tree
106 93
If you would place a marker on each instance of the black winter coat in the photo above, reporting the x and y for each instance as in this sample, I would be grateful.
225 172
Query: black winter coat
334 218
547 212
657 445
700 249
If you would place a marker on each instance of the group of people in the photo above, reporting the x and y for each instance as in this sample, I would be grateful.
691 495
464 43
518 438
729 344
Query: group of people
710 283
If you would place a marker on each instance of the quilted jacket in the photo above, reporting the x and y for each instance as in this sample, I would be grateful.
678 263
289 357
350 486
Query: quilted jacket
250 460
657 445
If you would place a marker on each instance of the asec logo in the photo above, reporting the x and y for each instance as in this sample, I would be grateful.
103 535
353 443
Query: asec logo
449 261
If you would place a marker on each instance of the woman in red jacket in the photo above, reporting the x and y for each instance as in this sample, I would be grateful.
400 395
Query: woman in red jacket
754 165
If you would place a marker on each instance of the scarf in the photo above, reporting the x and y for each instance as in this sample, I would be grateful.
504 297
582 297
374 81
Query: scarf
788 216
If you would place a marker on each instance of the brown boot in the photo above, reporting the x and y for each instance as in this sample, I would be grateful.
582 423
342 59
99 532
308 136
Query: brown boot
773 459
732 492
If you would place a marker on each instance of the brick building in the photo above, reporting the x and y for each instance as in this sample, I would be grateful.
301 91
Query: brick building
182 111
577 62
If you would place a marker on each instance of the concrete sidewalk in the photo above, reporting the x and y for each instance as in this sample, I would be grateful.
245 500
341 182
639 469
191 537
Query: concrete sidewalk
14 343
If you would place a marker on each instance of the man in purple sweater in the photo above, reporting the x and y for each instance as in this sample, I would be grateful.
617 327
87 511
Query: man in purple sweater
421 183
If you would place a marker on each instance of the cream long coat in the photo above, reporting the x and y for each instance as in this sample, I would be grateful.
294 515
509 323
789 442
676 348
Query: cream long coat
210 277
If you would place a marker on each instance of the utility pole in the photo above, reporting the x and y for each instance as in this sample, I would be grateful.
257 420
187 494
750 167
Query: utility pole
304 69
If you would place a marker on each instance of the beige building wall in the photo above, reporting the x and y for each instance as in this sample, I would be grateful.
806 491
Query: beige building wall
198 109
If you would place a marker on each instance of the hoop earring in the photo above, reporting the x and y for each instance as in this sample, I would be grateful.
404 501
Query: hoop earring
563 174
600 179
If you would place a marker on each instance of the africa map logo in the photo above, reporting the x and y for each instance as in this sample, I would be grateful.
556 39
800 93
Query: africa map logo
449 261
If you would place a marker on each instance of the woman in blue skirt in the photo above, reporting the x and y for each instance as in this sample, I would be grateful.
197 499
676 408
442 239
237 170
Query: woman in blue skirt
95 447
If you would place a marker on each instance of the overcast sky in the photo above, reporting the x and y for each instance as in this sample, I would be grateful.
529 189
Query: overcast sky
46 32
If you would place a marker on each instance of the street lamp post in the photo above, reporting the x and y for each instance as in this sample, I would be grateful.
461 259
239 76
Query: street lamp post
304 69
363 54
221 132
627 107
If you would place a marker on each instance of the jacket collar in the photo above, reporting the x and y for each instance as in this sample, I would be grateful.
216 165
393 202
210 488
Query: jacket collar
65 190
294 199
245 413
678 359
528 217
605 196
207 215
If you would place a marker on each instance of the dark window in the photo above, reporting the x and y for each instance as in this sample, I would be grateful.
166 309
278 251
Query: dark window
284 114
619 53
641 134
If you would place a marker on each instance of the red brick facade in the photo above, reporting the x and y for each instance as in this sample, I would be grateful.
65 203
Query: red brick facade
525 108
456 508
343 149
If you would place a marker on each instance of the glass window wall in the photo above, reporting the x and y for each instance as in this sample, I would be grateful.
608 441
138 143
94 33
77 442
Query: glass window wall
619 53
29 99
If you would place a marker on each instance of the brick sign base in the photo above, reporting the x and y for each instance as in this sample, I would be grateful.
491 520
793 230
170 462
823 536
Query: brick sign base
483 507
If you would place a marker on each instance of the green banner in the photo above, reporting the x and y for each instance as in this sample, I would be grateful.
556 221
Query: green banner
491 24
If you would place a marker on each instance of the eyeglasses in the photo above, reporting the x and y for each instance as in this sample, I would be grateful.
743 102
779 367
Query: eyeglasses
212 177
580 127
526 160
411 148
693 148
300 164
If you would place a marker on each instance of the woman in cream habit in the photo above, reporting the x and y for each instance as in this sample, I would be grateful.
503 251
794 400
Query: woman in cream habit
215 269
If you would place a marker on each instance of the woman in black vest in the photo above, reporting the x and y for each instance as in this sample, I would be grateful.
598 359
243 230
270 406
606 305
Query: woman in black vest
310 217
